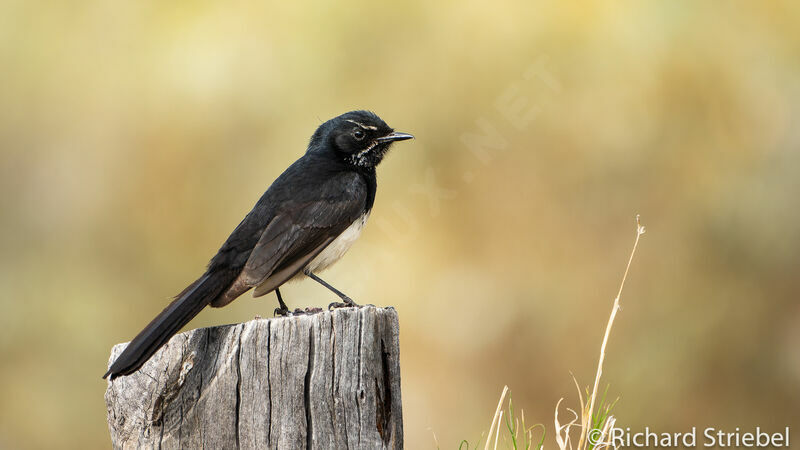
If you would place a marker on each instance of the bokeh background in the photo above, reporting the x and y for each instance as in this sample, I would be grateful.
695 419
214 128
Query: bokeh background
135 136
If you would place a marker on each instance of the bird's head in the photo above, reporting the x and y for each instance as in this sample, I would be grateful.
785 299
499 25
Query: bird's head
359 138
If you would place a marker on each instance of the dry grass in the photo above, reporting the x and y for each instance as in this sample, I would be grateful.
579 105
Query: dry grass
594 430
594 423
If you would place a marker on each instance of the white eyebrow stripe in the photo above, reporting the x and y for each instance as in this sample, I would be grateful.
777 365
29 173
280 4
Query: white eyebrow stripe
366 127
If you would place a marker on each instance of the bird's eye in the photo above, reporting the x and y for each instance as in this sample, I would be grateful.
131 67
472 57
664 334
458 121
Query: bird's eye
359 134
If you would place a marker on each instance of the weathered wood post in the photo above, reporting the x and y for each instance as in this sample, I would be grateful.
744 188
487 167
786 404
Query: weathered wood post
326 380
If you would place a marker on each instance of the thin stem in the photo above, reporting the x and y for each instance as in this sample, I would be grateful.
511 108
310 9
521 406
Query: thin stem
496 419
584 441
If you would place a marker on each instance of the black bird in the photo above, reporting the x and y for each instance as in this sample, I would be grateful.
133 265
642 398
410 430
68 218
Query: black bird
303 223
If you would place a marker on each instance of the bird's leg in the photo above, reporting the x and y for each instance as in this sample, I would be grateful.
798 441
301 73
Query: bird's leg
346 301
283 310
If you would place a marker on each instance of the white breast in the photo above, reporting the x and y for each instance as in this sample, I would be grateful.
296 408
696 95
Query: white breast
339 246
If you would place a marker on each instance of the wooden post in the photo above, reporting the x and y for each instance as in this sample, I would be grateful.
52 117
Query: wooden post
326 380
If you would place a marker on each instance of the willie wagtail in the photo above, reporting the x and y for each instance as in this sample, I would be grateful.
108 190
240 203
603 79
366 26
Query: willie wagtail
302 224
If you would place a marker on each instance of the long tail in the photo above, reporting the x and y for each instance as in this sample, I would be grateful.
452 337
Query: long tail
184 308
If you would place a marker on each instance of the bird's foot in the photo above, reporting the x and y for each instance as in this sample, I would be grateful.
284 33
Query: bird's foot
347 302
297 311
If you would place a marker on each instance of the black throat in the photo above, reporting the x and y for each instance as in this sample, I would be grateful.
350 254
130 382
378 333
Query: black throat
370 176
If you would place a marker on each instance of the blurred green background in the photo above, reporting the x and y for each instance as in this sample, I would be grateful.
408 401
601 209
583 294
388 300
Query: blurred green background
136 135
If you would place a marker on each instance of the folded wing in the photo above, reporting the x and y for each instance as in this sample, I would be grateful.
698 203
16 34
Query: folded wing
298 232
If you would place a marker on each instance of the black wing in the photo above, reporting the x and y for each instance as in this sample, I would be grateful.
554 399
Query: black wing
299 230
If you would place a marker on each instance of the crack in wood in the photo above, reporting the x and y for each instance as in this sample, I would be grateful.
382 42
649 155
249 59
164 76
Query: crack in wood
307 389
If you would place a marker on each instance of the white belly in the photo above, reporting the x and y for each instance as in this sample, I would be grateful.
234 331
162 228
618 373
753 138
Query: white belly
338 247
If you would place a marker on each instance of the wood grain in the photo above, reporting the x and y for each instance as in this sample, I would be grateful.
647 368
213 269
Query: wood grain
327 380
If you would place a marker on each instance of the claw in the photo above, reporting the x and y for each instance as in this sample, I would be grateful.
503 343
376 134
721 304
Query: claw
281 312
347 303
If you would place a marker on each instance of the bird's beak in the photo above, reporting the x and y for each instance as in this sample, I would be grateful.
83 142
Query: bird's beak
395 136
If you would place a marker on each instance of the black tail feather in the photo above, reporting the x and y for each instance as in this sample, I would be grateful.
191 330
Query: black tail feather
184 308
